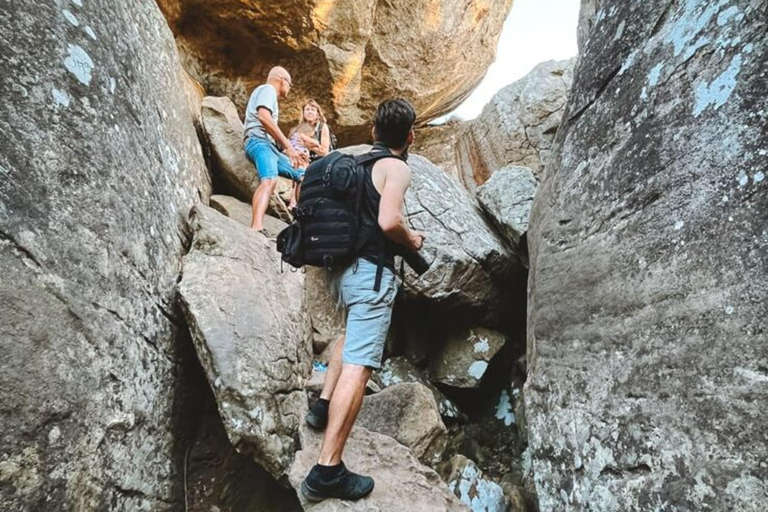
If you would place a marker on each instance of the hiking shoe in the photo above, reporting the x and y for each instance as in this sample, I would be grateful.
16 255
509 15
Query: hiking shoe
335 482
317 417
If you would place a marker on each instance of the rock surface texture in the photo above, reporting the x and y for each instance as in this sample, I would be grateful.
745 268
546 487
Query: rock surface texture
408 413
466 481
464 358
402 482
438 145
251 333
517 127
508 198
648 367
397 370
99 166
347 54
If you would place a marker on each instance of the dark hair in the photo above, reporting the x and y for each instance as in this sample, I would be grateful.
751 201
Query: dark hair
393 122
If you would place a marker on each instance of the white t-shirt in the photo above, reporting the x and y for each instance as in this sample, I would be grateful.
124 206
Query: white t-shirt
263 96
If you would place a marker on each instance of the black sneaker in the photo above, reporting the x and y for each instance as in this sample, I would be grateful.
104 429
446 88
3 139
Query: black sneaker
317 417
343 484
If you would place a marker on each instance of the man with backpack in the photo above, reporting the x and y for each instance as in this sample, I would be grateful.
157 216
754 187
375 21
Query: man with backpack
366 287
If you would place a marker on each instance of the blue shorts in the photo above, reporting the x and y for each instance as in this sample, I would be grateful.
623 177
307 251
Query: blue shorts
270 163
369 313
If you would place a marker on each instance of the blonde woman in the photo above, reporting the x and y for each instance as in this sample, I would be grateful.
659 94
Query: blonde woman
321 143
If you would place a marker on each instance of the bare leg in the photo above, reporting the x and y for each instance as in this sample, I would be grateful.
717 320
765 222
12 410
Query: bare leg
345 404
334 369
260 202
294 195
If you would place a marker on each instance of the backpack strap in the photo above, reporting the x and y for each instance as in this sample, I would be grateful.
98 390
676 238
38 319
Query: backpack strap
377 152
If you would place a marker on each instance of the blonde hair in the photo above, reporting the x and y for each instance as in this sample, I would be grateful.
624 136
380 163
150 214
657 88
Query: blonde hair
303 128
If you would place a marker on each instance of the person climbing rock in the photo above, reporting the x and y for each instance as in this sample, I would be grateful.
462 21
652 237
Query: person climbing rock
260 137
369 307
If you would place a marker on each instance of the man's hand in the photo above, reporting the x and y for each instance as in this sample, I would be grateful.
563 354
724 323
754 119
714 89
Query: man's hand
417 240
296 158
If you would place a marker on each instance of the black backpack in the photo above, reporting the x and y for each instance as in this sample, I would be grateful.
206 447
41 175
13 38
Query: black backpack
329 229
331 135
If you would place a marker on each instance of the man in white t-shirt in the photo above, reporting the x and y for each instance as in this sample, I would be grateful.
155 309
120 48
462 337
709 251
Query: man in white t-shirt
261 132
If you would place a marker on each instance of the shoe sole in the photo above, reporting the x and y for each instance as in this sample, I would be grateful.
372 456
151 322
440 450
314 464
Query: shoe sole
310 494
314 496
314 422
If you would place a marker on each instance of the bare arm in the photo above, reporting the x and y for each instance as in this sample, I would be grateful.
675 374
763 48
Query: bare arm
397 178
321 148
265 116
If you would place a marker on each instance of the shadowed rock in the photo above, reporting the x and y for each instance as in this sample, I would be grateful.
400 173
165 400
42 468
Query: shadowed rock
646 341
250 330
508 198
397 370
99 166
463 360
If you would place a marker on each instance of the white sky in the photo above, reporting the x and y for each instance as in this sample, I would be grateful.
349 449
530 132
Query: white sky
535 31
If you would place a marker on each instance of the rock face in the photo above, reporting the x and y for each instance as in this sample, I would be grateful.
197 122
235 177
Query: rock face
408 413
647 353
438 145
250 330
347 54
402 483
466 481
99 166
508 198
397 370
233 171
463 360
219 478
517 127
242 213
327 320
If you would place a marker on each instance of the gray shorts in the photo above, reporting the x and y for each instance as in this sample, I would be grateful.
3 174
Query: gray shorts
369 313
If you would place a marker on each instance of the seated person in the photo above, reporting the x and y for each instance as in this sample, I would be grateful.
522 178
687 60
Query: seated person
320 141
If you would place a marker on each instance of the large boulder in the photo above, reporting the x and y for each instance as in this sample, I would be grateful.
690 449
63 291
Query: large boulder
507 197
250 330
402 482
234 173
408 413
99 166
348 54
647 352
464 358
397 370
517 127
468 483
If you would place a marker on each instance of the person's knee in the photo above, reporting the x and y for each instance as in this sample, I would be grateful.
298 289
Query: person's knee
356 372
267 184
